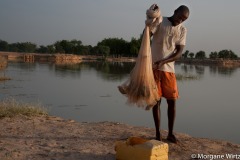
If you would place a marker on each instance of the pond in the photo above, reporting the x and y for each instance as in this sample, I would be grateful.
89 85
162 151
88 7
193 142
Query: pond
208 105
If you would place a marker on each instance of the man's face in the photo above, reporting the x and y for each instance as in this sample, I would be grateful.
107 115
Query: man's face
179 17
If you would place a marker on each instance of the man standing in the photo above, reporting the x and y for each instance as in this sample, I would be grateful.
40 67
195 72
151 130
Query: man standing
169 39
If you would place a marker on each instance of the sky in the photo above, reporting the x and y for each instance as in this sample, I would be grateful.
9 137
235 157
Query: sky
212 26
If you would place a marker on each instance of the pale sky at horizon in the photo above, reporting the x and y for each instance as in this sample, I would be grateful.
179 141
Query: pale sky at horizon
212 26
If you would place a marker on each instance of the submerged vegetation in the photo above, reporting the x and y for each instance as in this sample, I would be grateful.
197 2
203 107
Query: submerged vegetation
182 77
10 108
4 78
3 62
3 65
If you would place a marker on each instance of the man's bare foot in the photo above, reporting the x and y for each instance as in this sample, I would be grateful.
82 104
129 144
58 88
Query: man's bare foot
172 139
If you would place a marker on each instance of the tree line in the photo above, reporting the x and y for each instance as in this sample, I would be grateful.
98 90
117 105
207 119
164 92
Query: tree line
223 54
106 47
115 47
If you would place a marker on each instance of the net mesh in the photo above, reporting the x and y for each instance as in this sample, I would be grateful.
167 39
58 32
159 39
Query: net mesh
141 88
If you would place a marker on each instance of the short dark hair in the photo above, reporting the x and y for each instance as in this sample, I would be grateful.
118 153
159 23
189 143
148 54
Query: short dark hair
183 8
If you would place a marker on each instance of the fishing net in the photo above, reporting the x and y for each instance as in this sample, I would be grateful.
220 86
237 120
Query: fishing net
141 88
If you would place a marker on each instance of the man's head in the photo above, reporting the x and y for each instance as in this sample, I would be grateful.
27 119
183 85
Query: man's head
180 15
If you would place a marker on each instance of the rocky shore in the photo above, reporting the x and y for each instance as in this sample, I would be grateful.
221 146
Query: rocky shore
54 138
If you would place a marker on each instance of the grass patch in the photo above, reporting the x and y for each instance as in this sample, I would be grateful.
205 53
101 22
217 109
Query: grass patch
4 78
10 108
3 62
182 77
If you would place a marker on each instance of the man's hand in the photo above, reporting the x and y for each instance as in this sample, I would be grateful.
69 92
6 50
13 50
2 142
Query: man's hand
173 57
158 64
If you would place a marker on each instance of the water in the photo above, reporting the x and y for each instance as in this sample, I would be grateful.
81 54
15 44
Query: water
208 105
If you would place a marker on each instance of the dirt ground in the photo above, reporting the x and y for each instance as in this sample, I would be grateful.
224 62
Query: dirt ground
54 138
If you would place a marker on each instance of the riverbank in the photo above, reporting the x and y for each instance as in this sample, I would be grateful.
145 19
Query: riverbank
36 57
71 58
48 137
219 62
60 58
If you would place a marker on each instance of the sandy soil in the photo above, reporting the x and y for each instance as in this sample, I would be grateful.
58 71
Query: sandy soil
53 138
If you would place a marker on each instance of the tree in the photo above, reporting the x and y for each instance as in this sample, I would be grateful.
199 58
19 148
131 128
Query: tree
85 49
227 54
42 49
185 54
94 50
13 47
77 46
58 47
213 55
191 55
233 55
3 45
67 46
117 46
27 47
104 50
76 42
135 46
51 49
200 55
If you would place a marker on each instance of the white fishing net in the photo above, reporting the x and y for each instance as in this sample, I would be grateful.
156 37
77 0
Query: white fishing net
141 88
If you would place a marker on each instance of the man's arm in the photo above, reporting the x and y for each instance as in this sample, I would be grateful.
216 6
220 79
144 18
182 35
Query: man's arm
173 57
150 33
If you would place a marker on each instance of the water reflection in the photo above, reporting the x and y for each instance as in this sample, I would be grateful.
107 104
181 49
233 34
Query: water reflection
110 71
65 70
213 69
114 71
27 66
187 72
187 68
222 70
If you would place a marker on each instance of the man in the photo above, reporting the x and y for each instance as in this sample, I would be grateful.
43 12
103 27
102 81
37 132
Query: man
168 42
